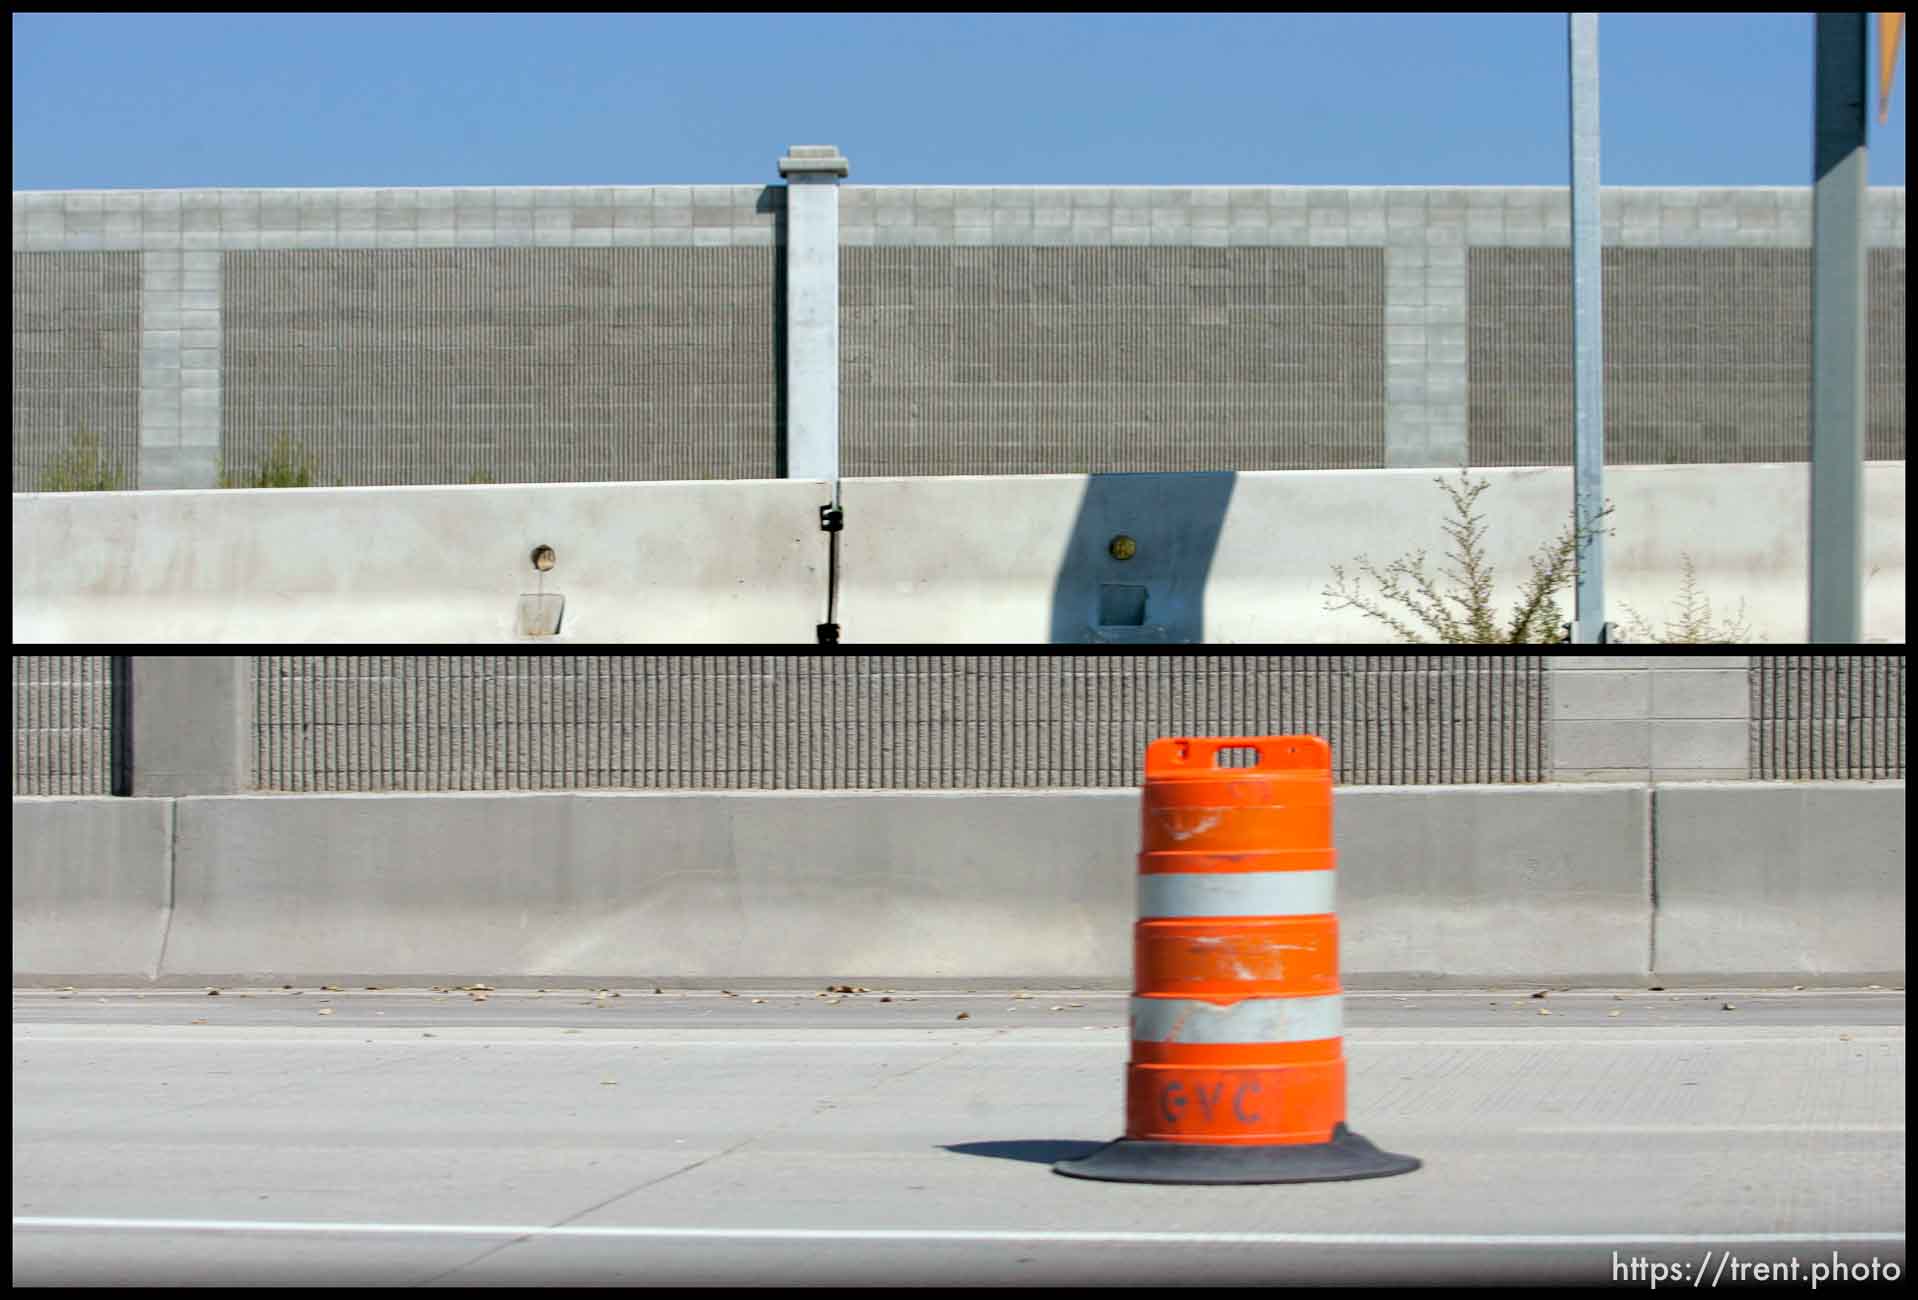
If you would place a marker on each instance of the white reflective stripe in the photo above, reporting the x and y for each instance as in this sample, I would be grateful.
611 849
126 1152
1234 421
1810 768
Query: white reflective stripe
1117 1236
1235 893
1249 1020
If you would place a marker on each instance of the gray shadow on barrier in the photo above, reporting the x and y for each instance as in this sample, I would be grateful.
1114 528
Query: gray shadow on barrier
1137 562
1040 1151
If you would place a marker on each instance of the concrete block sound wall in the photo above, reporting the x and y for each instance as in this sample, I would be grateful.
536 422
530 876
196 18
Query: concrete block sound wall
310 724
637 332
405 336
716 817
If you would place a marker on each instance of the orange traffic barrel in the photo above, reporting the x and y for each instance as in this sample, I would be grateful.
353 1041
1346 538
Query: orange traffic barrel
1237 1072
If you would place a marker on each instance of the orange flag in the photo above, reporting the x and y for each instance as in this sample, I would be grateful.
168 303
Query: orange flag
1890 28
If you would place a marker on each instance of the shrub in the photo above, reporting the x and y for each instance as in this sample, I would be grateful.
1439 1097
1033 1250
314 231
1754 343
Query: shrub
1694 625
286 465
1463 614
82 467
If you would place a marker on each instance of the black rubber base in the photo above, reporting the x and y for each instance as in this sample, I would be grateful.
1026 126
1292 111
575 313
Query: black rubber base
1346 1156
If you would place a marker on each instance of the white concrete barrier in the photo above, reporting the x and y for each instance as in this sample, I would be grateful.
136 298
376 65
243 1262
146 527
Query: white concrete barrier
1220 558
92 887
1438 886
1781 876
635 563
651 885
1245 558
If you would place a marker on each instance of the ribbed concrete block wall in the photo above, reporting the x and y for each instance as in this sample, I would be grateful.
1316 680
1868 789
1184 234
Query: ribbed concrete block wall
359 338
499 722
1009 360
1467 370
76 362
506 365
400 334
1707 355
63 725
906 722
1827 717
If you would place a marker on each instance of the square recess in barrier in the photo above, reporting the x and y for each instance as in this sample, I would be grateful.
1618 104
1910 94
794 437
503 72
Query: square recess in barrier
1121 605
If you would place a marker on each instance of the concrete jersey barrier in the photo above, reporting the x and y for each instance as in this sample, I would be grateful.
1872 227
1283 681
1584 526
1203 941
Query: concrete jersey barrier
1245 558
1064 559
1439 885
634 563
92 888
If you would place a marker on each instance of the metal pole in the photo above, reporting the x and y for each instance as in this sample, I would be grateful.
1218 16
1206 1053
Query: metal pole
1588 337
1838 331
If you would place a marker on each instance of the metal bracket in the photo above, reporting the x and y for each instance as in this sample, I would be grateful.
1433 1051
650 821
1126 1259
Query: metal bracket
1607 633
832 520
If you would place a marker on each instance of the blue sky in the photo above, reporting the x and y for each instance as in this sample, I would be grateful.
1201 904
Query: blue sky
146 101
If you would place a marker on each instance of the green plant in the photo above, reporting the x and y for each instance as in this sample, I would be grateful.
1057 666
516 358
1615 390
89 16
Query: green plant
480 476
82 467
1463 613
286 465
1694 625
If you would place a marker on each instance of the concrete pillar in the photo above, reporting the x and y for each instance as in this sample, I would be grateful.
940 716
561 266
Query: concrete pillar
812 173
1426 234
179 367
1649 718
192 724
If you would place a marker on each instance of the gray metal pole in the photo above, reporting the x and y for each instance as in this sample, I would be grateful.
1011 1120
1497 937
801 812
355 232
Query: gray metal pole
1588 336
1838 331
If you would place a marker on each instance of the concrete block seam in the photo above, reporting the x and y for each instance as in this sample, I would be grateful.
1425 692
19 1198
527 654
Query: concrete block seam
247 719
1651 878
1549 741
172 884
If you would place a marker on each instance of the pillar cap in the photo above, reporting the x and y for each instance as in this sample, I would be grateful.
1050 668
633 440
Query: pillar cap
813 159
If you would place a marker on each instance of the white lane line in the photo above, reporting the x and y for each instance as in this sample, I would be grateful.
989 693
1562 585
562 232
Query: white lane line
1701 1129
612 1039
965 1234
1004 1038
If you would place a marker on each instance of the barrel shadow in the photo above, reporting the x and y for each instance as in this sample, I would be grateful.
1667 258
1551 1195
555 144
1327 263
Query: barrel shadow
1041 1151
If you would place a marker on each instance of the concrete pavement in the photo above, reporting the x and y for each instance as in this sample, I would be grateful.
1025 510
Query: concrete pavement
784 1134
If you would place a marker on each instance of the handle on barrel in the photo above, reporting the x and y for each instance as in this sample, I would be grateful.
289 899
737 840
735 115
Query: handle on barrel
1194 755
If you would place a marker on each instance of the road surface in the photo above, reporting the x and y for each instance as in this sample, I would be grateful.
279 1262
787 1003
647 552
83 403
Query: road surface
800 1136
